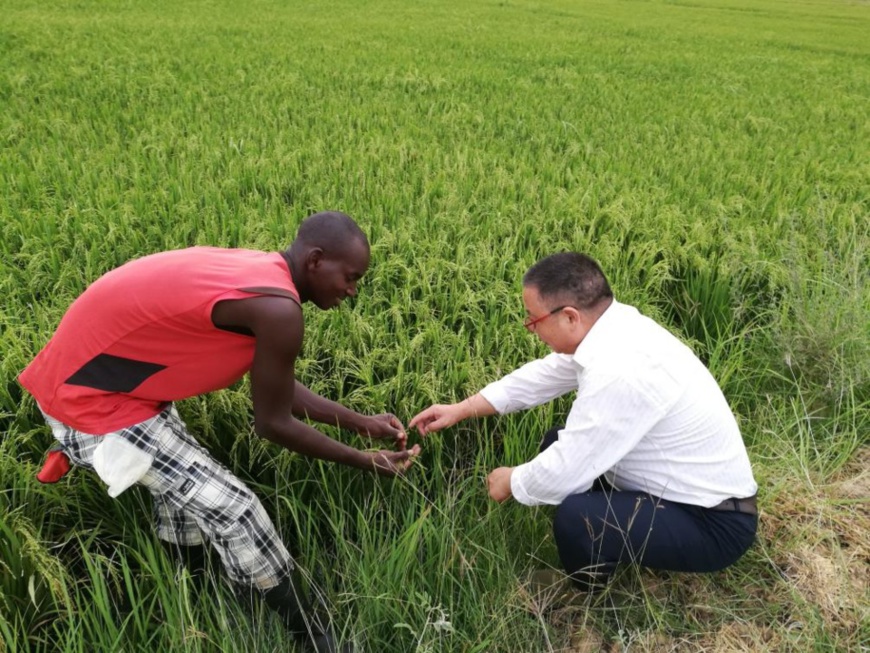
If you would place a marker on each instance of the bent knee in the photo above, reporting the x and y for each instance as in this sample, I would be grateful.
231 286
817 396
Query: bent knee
575 519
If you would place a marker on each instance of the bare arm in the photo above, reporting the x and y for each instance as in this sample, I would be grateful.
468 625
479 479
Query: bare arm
277 325
311 405
441 416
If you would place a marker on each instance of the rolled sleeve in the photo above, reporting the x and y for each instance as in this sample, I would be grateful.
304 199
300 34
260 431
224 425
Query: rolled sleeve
527 489
550 477
533 384
497 395
518 487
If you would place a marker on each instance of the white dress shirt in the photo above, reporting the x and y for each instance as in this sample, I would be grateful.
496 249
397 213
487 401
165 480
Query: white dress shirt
648 416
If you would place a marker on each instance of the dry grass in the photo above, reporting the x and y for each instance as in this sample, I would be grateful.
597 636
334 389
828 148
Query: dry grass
819 536
586 640
737 637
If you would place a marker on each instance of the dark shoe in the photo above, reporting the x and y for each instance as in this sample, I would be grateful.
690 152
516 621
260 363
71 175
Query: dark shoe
308 625
593 579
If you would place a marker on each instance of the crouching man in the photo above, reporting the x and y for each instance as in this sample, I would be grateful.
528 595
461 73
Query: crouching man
182 323
650 466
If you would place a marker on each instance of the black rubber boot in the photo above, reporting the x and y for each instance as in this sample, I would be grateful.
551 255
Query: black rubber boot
308 625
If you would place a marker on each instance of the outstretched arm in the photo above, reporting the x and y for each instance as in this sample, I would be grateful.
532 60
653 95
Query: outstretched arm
531 385
311 405
441 416
277 325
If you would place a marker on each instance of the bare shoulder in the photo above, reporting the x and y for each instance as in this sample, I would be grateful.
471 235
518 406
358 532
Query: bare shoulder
260 315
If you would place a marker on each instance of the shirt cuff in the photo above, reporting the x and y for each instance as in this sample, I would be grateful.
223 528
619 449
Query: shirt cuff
518 488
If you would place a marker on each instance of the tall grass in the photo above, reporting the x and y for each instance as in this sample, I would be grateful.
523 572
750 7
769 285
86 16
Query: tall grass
712 155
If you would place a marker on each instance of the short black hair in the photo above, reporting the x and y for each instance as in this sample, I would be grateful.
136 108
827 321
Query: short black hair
569 277
331 231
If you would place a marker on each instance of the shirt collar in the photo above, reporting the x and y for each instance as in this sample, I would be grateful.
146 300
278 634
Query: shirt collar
602 335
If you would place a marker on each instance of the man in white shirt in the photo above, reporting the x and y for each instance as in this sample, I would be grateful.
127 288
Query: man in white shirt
650 466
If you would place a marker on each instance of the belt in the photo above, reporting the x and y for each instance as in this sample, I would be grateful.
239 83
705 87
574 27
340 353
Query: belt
747 505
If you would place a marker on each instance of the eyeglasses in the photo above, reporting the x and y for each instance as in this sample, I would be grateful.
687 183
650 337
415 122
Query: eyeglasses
531 322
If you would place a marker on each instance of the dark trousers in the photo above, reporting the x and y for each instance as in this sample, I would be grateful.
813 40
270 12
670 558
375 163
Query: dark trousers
602 527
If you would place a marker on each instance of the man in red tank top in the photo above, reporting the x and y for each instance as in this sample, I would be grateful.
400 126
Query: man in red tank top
178 324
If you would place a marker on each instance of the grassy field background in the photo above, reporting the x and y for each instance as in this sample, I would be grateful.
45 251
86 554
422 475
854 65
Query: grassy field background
713 155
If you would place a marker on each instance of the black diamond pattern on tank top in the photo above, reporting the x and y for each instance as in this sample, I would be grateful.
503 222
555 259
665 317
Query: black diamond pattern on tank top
114 373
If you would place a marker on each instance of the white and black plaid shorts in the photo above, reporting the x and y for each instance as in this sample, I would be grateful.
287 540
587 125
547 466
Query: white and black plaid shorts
195 497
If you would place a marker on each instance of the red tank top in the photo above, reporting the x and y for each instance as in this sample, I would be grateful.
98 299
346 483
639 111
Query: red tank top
141 336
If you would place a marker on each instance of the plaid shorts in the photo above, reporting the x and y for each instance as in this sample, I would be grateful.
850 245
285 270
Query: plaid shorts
195 497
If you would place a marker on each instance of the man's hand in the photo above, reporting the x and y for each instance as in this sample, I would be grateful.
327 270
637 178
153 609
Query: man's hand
437 417
393 463
499 482
441 416
385 425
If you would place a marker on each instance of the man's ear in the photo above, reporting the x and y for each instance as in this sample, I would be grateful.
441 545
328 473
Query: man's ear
573 314
313 258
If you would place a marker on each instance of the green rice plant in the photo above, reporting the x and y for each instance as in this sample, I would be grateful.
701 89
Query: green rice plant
712 155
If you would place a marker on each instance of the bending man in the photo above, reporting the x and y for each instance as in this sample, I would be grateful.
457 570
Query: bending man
182 323
650 466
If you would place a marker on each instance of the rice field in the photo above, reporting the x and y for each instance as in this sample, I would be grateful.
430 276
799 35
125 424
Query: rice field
712 155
